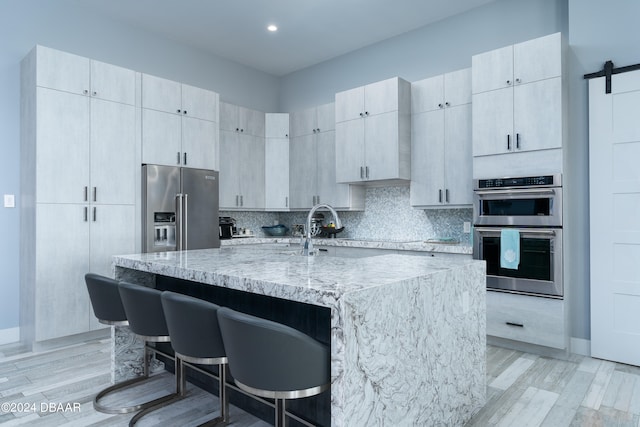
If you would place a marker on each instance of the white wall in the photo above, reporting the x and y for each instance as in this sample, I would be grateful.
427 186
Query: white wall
65 25
437 48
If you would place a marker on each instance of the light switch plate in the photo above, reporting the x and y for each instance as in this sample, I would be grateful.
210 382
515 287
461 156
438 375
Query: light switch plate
9 201
466 227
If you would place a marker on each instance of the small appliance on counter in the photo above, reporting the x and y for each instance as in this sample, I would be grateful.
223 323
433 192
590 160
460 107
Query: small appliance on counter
297 230
275 230
227 226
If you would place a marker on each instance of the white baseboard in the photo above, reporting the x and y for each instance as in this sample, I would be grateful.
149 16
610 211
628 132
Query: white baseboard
581 346
8 336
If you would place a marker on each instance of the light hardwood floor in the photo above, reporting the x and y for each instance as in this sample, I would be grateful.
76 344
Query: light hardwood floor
522 390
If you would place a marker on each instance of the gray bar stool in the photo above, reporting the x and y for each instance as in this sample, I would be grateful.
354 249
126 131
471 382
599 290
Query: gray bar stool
107 307
268 359
196 339
143 307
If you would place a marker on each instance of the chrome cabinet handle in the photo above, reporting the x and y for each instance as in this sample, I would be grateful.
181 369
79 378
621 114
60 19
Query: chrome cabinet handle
517 141
286 201
185 158
440 105
178 158
509 82
94 214
317 199
446 104
95 194
184 112
86 193
178 111
519 325
241 200
366 172
508 142
179 213
237 200
361 172
85 92
485 230
185 235
446 195
440 196
518 80
86 214
94 93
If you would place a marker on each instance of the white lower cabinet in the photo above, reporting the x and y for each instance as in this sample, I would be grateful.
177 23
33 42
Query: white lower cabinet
528 319
72 240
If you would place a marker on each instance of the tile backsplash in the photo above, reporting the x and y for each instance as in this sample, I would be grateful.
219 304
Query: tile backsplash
388 215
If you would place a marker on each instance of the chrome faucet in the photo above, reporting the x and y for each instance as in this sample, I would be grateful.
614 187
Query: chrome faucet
307 245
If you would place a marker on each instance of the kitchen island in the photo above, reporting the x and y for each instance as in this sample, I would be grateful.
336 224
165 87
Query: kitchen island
407 334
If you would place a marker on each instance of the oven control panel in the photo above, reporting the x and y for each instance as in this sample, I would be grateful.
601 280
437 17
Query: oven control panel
527 181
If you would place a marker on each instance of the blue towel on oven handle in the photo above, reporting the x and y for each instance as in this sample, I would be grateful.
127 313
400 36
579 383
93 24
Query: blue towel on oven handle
509 248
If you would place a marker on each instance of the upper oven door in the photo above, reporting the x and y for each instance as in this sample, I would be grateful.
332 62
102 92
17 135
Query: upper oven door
532 207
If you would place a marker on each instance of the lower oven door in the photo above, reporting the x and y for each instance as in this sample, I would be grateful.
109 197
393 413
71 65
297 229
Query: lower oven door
540 268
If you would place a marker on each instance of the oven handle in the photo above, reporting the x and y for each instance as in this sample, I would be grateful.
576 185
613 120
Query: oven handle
515 191
522 231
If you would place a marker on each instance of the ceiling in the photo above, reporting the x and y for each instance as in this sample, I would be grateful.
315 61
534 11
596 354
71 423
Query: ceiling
310 31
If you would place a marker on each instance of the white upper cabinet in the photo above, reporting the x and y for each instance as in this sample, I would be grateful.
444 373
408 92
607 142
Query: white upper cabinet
518 98
441 159
373 132
526 62
312 160
243 120
242 167
180 124
83 76
276 161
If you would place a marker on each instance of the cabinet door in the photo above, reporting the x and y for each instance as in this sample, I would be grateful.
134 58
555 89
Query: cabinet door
161 94
492 70
326 117
62 71
62 304
349 104
302 172
230 165
229 117
427 158
427 94
350 151
276 173
161 138
538 115
251 121
329 192
457 87
113 152
252 178
381 97
113 83
303 122
277 125
458 160
381 146
493 122
199 143
199 103
62 158
112 232
538 59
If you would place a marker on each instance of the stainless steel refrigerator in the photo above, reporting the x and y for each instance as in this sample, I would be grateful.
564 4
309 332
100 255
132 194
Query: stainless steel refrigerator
179 208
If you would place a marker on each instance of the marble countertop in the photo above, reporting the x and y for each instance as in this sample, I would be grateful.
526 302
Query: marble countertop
278 270
421 246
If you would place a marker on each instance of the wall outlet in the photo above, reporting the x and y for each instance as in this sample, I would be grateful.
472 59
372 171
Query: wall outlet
466 227
9 201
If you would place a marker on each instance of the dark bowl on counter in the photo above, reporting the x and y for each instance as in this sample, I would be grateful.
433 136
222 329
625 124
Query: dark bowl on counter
275 230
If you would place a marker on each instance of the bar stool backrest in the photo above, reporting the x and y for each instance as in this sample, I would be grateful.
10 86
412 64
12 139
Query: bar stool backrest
105 299
267 355
144 310
193 326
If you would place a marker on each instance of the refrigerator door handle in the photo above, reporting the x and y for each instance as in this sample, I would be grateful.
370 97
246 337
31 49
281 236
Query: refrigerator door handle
185 221
179 221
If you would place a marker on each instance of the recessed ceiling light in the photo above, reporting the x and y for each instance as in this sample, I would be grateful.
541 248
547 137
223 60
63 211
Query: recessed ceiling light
272 28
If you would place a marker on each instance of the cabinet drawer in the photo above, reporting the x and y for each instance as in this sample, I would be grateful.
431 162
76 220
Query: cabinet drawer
525 318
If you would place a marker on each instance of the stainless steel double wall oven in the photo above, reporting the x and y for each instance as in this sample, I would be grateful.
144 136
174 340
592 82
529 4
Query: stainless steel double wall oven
533 206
